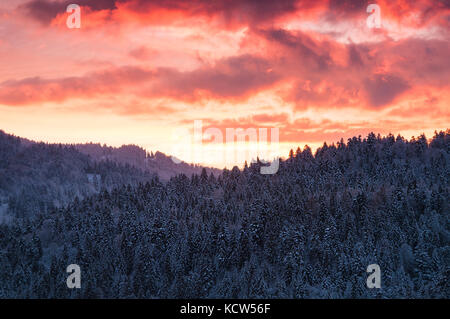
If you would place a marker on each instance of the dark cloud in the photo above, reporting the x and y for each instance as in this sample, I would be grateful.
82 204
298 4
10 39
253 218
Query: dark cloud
232 11
142 53
233 77
330 74
255 13
349 6
355 55
382 89
45 11
312 54
343 9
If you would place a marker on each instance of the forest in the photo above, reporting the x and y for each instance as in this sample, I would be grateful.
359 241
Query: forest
308 231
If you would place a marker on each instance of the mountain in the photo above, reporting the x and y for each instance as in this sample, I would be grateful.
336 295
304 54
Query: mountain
36 176
309 231
157 163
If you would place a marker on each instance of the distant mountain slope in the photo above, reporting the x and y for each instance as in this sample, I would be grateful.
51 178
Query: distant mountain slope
157 163
35 176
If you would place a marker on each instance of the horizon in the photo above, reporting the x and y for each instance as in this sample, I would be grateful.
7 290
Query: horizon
240 165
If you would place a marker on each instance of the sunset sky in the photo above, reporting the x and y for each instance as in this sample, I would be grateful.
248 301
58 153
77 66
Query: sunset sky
138 70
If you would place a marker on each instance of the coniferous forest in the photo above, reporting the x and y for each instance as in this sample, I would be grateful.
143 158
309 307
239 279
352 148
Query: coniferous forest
309 231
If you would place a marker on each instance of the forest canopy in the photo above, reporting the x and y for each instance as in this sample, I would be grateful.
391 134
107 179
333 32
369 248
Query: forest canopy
309 231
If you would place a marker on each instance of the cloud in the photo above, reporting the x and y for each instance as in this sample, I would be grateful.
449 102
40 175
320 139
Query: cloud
142 53
265 118
229 11
382 89
306 130
250 13
45 11
234 77
324 73
306 69
319 72
37 90
309 52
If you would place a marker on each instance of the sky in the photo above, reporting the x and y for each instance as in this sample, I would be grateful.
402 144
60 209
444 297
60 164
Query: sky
142 71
